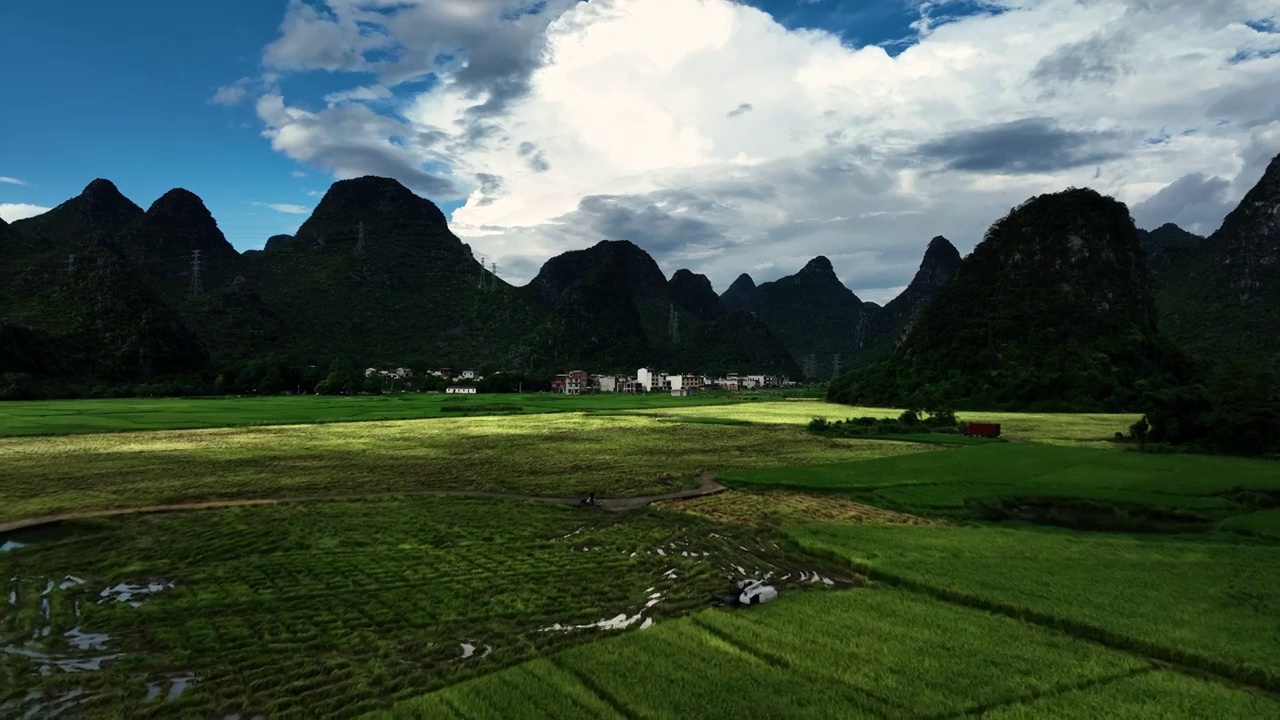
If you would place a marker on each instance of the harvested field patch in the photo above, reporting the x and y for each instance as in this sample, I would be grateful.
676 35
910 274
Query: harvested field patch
774 508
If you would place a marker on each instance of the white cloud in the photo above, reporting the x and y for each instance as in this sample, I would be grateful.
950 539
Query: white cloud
623 123
372 93
285 208
10 181
11 212
233 93
298 174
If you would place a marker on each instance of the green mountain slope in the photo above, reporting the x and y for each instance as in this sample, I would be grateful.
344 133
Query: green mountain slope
941 259
375 276
1220 298
814 314
1052 309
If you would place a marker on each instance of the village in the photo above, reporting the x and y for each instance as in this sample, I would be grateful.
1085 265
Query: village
581 382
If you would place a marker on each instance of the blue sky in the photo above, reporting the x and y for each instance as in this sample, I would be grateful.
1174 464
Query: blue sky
718 138
122 91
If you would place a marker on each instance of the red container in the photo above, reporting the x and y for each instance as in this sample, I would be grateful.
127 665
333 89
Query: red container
991 430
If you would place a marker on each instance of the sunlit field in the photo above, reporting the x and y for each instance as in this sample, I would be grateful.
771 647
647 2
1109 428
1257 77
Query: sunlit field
560 455
1082 429
60 417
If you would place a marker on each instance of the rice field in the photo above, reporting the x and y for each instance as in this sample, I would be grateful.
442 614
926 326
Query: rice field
1211 605
1078 429
1205 489
559 455
338 608
855 654
61 417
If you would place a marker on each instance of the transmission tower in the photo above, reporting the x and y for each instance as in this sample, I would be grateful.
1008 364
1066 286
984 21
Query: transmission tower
808 365
673 323
360 252
835 366
484 282
493 278
197 287
71 264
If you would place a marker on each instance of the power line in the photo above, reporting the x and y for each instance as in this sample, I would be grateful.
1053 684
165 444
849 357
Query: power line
197 288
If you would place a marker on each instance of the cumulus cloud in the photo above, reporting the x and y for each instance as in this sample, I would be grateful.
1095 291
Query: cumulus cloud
607 120
11 212
351 141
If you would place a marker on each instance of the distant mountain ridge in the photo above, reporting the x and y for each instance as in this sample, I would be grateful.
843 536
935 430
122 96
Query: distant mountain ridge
1220 297
1052 309
101 290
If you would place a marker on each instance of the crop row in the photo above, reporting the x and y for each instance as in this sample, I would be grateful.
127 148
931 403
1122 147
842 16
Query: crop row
336 608
1208 605
864 653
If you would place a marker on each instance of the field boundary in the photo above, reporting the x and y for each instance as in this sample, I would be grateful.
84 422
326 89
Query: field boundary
707 485
1261 678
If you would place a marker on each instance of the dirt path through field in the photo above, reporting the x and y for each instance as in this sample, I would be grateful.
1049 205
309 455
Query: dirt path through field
707 485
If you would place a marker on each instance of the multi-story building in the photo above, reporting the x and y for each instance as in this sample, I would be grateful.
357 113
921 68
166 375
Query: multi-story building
574 382
648 378
605 383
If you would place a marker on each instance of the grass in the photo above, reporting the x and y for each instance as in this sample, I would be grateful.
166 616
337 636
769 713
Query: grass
1211 605
564 455
61 417
861 653
947 484
1080 429
333 609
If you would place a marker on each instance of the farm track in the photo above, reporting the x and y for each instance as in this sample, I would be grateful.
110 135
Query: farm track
707 485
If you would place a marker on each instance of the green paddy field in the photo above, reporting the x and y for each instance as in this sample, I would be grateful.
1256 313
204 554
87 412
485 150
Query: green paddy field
1055 575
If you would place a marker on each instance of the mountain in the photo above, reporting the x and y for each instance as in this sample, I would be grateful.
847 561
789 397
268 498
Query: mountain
374 275
610 307
741 295
1052 309
694 293
941 259
1166 244
224 310
1220 299
68 280
99 211
817 317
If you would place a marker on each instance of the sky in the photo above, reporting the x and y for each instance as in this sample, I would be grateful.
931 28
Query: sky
723 136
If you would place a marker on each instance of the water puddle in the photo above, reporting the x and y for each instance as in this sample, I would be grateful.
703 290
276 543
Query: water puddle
469 651
37 706
125 592
619 622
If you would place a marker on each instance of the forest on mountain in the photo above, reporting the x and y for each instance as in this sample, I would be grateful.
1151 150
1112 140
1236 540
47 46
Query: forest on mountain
1065 304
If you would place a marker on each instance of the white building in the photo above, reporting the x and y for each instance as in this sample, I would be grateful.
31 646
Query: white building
648 378
461 390
469 374
606 383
